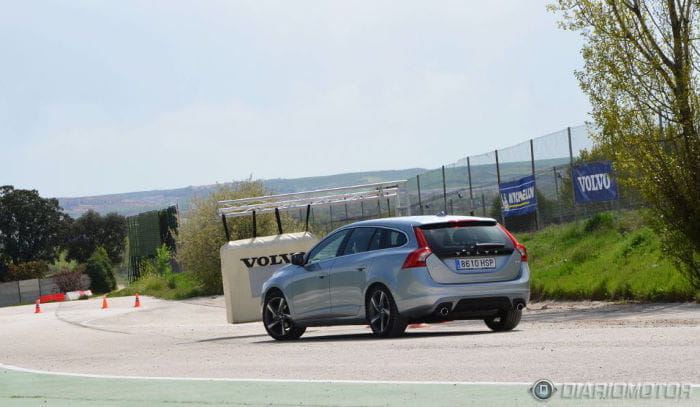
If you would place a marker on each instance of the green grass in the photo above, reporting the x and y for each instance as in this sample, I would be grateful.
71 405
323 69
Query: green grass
174 287
606 257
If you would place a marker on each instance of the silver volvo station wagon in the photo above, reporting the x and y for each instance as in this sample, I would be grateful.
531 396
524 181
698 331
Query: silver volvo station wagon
394 271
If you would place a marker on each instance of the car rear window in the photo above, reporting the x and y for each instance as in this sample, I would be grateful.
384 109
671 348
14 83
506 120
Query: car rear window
449 239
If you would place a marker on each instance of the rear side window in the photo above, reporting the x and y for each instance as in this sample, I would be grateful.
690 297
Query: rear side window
386 239
450 239
395 239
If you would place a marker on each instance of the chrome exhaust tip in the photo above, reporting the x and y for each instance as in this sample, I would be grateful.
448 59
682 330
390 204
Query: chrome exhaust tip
520 306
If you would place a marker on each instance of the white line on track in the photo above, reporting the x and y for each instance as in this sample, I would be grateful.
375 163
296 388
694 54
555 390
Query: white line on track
203 379
330 381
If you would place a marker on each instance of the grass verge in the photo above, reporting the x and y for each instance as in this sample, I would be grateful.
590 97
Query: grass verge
173 287
606 257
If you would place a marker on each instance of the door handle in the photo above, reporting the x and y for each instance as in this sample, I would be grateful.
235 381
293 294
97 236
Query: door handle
362 268
321 276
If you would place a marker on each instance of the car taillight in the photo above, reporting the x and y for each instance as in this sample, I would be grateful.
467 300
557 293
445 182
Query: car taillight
520 248
523 251
417 257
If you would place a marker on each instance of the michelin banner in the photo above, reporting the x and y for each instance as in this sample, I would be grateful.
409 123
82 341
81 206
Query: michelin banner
594 182
518 197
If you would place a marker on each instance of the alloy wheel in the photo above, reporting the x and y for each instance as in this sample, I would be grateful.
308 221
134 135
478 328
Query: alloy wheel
379 312
277 318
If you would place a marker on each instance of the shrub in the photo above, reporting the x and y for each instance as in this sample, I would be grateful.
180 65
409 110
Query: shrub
62 264
146 268
99 269
162 261
201 235
69 280
599 221
28 270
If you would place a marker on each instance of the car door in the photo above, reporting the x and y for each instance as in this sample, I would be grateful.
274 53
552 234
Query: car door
348 275
309 291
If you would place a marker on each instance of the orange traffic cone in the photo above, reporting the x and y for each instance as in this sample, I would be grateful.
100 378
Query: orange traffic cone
37 307
137 302
104 302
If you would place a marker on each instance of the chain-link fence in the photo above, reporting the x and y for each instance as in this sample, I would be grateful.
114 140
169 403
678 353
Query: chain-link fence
474 185
146 232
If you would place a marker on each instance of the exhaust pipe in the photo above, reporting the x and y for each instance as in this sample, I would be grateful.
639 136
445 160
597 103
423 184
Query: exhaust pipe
519 304
444 311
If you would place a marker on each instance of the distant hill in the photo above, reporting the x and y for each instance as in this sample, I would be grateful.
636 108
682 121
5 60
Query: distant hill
132 203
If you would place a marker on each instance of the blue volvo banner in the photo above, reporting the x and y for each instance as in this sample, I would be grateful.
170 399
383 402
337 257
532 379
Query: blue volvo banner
518 197
594 182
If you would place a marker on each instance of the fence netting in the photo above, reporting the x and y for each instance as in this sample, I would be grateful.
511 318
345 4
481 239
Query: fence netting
471 184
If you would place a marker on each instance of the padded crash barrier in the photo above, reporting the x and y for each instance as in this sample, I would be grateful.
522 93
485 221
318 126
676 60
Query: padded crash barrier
246 264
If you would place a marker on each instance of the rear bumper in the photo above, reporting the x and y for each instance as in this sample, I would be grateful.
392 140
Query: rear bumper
417 295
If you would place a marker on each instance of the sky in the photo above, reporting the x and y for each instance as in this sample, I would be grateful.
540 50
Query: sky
100 97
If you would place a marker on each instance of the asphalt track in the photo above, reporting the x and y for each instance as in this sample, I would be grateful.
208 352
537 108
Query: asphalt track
185 353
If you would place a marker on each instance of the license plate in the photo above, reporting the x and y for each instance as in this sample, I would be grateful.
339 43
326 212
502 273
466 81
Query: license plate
476 264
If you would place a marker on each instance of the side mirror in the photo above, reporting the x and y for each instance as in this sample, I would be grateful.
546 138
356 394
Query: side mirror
298 259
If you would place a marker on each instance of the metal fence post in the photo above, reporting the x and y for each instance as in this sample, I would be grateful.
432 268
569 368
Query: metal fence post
308 212
556 190
279 221
444 190
537 208
255 225
498 176
571 172
420 201
226 232
471 193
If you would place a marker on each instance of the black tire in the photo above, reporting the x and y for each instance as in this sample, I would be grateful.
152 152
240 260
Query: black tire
382 315
277 320
505 321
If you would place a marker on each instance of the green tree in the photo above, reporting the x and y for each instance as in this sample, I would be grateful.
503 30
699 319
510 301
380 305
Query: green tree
31 227
640 74
201 233
101 272
91 230
26 271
